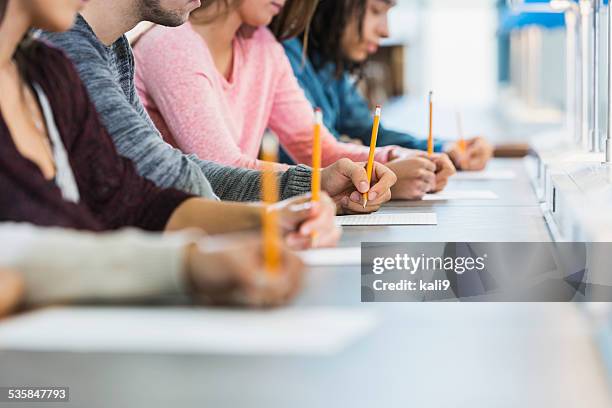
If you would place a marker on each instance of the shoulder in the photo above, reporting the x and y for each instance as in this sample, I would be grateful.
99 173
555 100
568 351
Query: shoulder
160 40
79 40
262 41
48 63
293 48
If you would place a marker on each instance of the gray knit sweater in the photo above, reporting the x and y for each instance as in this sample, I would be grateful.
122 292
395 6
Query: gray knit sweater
108 74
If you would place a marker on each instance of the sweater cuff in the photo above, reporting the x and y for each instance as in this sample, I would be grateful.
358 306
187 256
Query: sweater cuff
296 181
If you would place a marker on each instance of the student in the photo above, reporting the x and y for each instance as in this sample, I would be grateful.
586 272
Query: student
214 85
341 37
59 265
103 57
11 290
59 167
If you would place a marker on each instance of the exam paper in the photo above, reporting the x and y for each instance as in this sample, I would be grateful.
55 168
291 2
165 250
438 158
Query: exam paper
331 257
315 331
388 219
485 175
461 195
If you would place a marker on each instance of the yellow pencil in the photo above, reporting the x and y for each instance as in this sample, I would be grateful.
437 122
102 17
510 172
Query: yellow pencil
370 166
269 188
316 156
316 161
461 142
430 140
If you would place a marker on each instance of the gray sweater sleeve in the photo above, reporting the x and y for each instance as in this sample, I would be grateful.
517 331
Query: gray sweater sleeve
136 137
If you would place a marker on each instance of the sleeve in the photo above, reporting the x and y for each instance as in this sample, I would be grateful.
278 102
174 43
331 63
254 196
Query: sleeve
136 138
190 104
355 120
64 265
108 183
293 117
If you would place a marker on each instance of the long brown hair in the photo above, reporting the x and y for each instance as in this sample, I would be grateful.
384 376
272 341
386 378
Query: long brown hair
293 19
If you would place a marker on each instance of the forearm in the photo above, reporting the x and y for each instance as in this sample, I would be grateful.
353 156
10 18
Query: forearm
215 217
61 265
234 184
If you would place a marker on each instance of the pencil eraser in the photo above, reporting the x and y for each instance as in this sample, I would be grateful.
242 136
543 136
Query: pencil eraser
269 143
430 96
378 110
318 116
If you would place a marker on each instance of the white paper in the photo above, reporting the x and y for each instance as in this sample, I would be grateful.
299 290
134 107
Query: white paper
332 257
485 175
461 195
318 331
388 219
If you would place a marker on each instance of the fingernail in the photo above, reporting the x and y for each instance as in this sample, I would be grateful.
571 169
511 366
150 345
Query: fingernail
363 186
355 197
372 195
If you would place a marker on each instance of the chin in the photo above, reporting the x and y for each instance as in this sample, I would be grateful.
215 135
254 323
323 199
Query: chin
360 58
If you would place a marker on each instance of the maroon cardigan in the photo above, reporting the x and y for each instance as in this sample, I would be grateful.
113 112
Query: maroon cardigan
113 195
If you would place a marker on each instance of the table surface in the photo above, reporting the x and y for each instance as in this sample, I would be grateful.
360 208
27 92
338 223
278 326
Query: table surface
420 354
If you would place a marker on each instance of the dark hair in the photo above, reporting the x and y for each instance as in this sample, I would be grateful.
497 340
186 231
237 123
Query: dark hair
26 49
328 25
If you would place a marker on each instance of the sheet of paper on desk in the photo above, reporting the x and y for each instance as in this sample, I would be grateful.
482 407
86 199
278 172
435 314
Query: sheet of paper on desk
316 331
485 175
331 257
388 219
461 195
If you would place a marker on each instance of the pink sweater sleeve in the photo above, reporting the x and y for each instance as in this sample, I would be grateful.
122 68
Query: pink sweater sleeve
292 120
187 100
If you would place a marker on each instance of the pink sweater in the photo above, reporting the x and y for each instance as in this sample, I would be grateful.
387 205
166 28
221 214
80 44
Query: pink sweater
199 111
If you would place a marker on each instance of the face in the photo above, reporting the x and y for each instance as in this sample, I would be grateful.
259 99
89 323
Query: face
256 13
53 15
169 13
356 46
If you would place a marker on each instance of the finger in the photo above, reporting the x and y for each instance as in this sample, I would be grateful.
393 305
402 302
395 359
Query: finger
11 291
296 214
356 173
319 224
427 163
424 175
298 242
383 179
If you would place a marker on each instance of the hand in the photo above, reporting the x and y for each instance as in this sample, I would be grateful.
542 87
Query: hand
444 170
345 181
402 153
299 218
11 291
415 177
477 154
229 271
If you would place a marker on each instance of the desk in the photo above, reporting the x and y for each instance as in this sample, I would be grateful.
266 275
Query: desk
421 355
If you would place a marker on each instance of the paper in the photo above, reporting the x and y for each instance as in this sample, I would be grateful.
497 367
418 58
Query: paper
485 175
388 219
461 195
318 331
332 257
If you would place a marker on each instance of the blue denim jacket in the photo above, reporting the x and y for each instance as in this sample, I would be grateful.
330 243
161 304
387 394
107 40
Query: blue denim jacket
345 110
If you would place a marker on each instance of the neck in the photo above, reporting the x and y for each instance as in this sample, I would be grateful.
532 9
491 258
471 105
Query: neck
16 24
110 19
220 33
